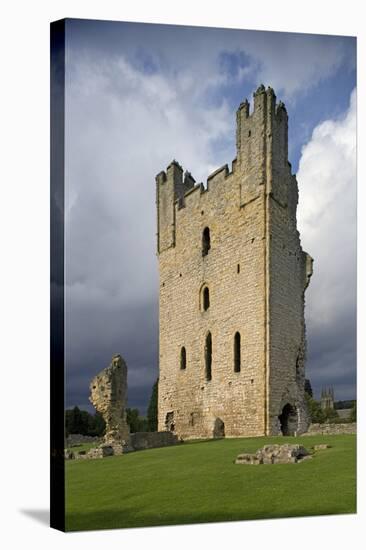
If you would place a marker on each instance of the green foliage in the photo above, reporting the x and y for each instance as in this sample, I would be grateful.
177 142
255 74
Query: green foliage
73 421
82 422
331 416
317 415
308 388
136 422
199 482
96 424
152 411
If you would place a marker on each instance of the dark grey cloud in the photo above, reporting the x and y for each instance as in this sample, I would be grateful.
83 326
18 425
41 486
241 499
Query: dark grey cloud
94 332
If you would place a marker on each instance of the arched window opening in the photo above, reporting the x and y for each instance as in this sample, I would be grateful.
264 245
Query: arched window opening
237 352
208 356
206 241
206 298
183 358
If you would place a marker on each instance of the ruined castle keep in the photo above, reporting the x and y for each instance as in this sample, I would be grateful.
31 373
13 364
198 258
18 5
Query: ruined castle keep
232 282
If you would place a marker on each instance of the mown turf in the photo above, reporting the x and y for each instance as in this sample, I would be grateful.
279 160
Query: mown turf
198 482
82 447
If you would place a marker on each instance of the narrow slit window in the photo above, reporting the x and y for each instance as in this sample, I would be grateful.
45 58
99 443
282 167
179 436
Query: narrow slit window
208 356
206 298
237 359
183 358
206 241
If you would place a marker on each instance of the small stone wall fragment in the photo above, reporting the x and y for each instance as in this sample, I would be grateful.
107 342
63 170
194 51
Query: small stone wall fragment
149 440
331 429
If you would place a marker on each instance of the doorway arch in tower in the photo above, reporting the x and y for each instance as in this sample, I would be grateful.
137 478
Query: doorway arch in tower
288 420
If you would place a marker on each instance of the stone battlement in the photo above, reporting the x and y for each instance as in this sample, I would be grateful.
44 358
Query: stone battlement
261 163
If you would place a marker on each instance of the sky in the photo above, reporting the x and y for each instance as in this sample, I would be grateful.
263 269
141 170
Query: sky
138 96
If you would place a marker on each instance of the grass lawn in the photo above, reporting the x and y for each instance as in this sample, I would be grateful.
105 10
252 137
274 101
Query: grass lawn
83 447
197 482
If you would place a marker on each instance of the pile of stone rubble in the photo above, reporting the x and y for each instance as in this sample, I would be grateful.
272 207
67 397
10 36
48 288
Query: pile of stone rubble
275 454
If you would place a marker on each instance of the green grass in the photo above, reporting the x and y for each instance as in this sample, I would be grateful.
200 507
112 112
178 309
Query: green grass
198 482
83 447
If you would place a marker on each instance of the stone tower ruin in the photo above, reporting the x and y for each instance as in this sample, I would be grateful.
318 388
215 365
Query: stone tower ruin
232 282
327 399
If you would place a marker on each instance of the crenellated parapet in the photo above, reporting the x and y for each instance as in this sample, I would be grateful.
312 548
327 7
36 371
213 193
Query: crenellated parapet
171 187
174 189
261 139
260 167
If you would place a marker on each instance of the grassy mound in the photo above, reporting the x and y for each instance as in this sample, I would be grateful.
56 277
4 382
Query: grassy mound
198 482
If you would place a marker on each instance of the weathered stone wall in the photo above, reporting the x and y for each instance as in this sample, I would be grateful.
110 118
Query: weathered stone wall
332 429
194 402
290 270
108 395
150 440
251 215
138 441
344 413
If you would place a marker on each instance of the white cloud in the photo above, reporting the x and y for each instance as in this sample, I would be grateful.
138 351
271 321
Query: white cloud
327 222
123 127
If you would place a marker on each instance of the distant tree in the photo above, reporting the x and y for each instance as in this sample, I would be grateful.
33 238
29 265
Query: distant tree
152 411
99 424
84 423
136 422
74 421
308 388
353 413
316 413
132 417
331 415
96 425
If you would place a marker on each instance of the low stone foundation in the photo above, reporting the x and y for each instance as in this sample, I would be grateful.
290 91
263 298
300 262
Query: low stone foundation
99 452
138 441
331 429
150 440
275 454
